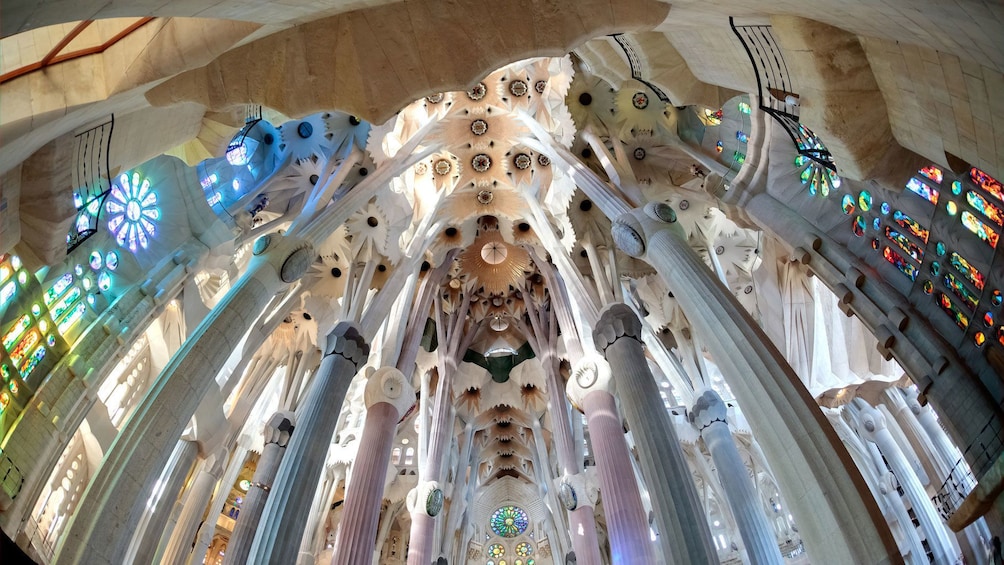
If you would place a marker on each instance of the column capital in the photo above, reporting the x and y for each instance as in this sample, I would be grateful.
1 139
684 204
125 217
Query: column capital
347 341
617 320
870 420
289 256
632 230
592 373
279 428
387 384
708 409
912 399
578 490
426 498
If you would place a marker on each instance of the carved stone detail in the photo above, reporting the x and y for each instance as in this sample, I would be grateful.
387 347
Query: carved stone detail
345 340
617 320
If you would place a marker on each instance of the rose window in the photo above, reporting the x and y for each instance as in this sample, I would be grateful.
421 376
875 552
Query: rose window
524 549
132 206
496 550
509 521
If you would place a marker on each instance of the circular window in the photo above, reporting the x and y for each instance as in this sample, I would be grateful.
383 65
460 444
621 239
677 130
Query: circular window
847 204
509 521
865 201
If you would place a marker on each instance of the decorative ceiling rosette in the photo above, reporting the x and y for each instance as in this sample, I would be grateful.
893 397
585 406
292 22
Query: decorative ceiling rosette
475 202
638 109
482 167
496 278
343 129
590 100
306 137
655 163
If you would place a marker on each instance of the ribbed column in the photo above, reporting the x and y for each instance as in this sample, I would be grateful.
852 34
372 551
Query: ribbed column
277 433
837 516
873 428
683 528
204 537
173 482
627 525
388 396
194 509
708 416
279 533
102 526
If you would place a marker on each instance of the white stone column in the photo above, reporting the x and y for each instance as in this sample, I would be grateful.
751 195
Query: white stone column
278 537
277 432
683 528
836 514
873 428
172 481
204 537
196 500
101 529
388 397
709 417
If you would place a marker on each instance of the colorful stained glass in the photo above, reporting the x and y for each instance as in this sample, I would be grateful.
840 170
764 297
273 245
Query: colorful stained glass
988 319
72 317
960 290
5 372
935 268
1000 335
31 362
523 549
806 175
57 289
509 521
15 331
834 179
132 205
20 351
967 270
875 243
742 137
22 277
996 298
801 160
744 108
928 287
900 263
65 303
923 191
952 310
112 260
95 260
904 243
4 401
5 273
987 183
956 187
980 338
865 200
847 204
933 173
876 224
719 147
911 226
859 226
12 386
952 208
104 281
496 550
940 249
7 292
738 157
983 231
985 207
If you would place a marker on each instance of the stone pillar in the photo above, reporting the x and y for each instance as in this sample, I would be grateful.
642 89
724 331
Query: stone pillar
388 396
578 493
278 537
173 481
423 509
709 417
194 509
873 428
132 465
204 537
627 525
837 516
683 527
277 432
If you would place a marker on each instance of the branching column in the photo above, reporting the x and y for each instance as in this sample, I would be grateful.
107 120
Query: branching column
194 509
627 525
278 537
873 428
277 433
388 396
683 528
838 518
708 416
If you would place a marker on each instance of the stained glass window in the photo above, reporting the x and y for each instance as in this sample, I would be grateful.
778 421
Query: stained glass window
509 521
971 273
956 187
985 207
496 550
905 244
987 183
900 263
911 225
933 173
523 549
865 200
952 310
133 211
960 290
847 204
983 231
922 190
